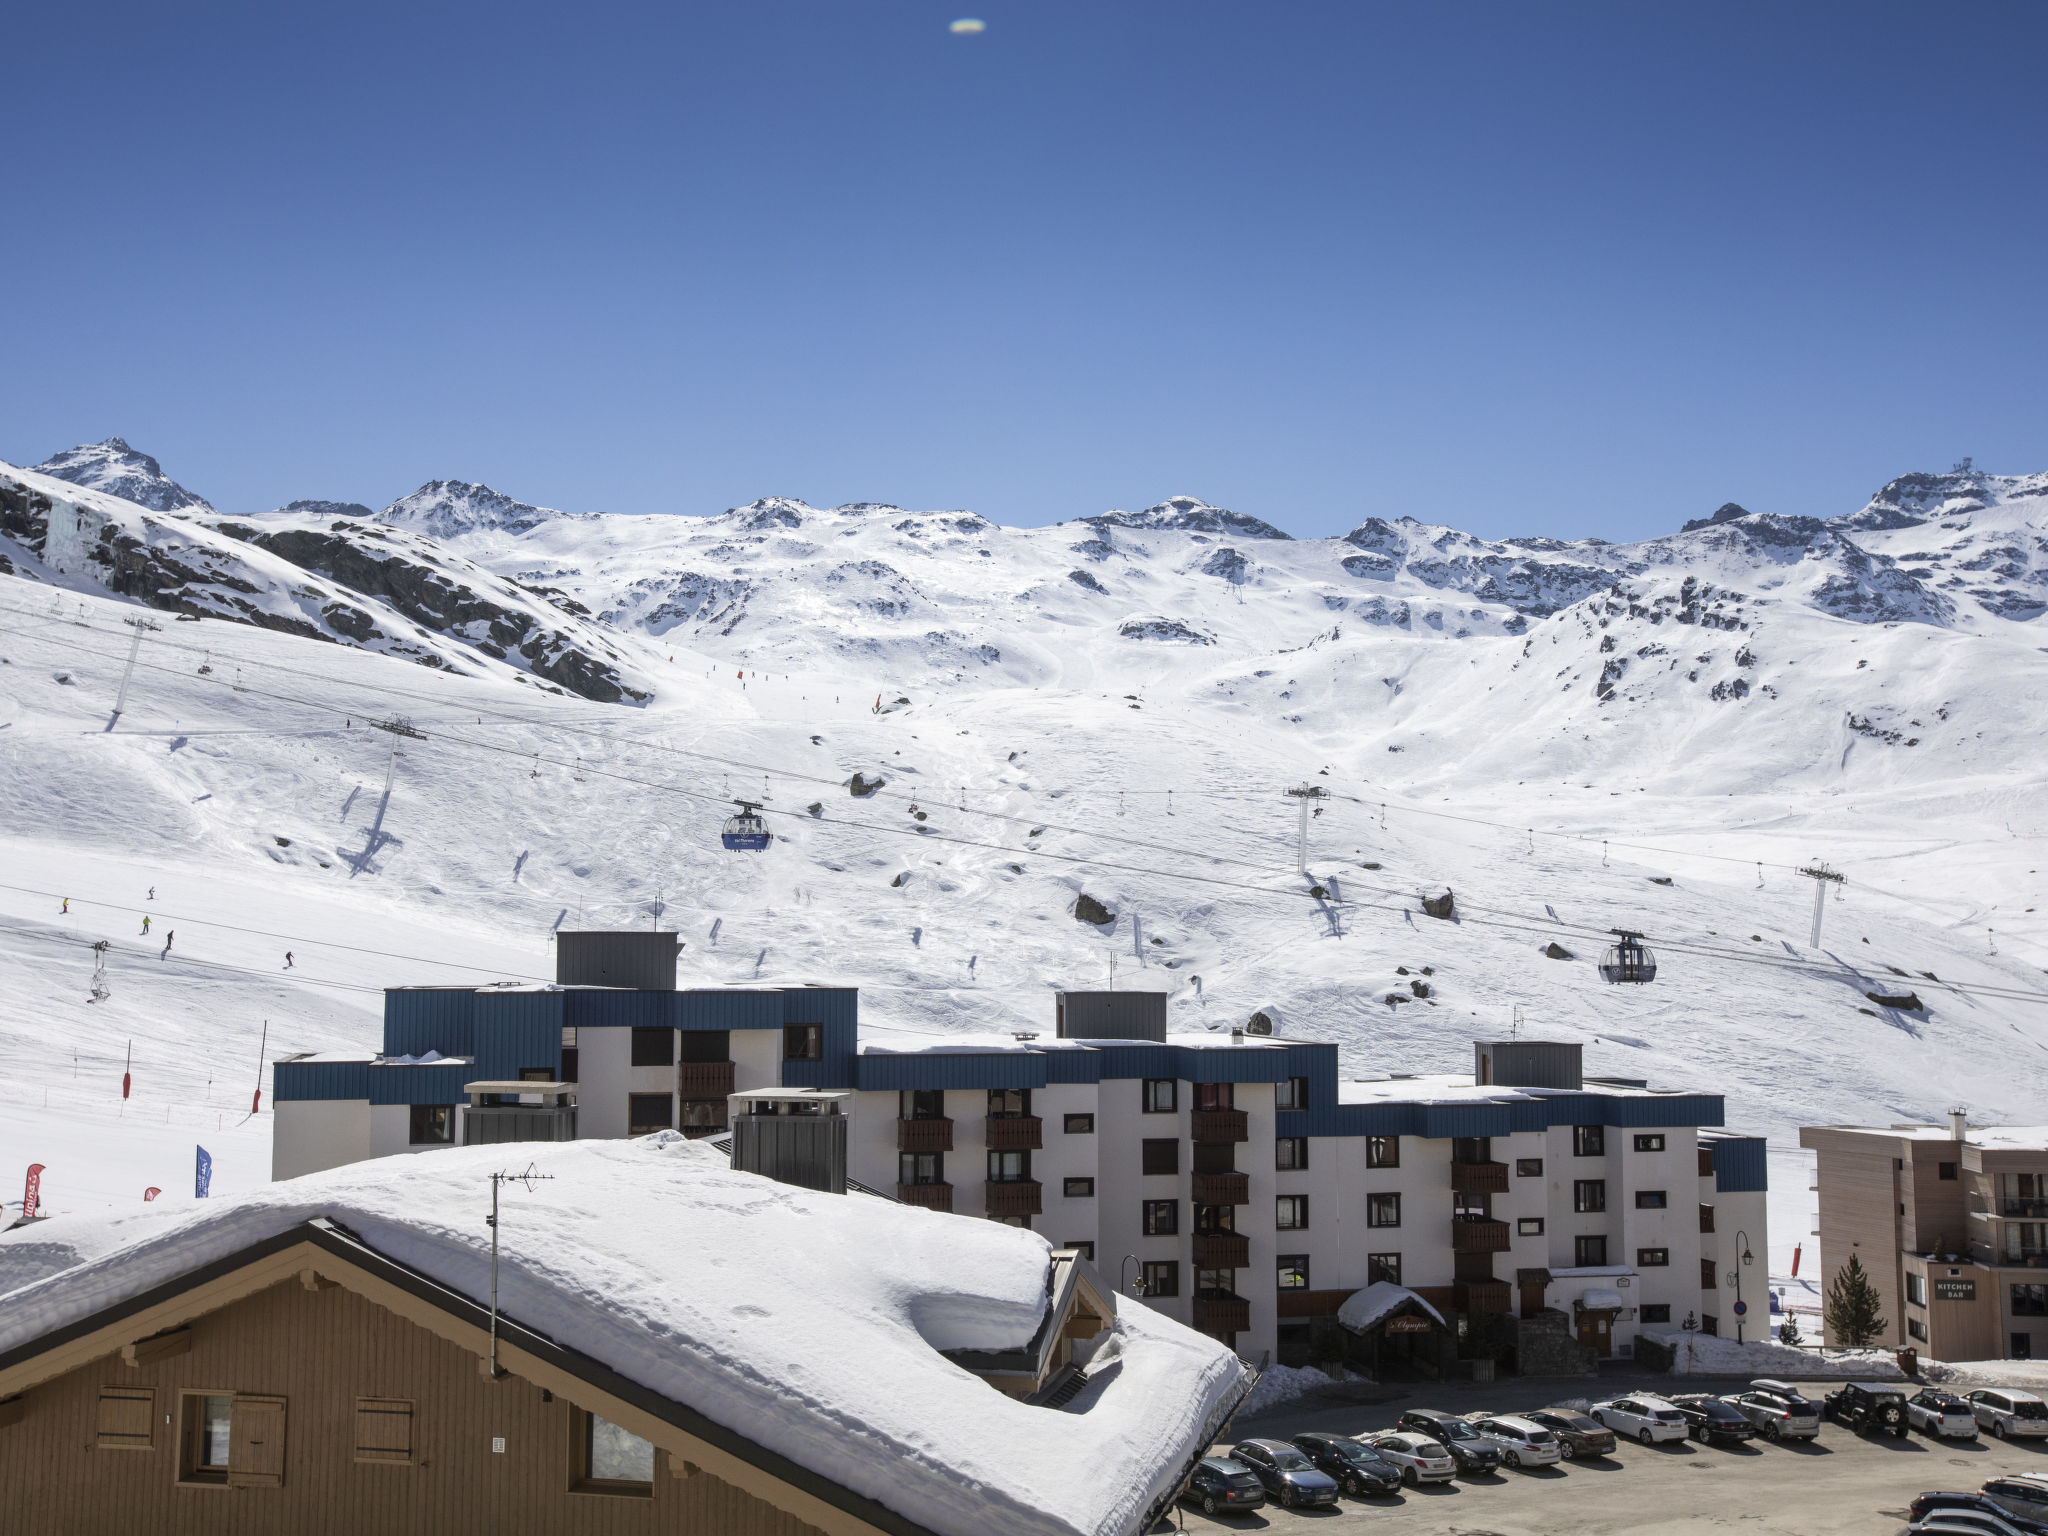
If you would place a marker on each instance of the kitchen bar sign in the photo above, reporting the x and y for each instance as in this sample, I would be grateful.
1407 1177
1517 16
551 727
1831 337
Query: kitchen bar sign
1955 1290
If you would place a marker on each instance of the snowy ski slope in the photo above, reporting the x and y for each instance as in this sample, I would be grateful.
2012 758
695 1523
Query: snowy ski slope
1639 746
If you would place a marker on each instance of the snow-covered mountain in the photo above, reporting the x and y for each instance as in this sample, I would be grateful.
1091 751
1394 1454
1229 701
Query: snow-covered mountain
1574 736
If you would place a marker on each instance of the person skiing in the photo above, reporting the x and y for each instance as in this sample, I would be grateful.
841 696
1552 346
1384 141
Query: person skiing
170 939
67 904
145 922
287 959
152 893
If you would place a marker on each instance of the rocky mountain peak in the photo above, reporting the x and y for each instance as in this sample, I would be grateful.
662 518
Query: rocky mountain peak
450 508
114 468
1191 514
1727 512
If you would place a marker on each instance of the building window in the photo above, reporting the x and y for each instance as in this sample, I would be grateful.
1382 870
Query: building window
2030 1300
1708 1280
1657 1312
1162 1277
1945 1170
1162 1218
803 1042
646 1112
612 1460
702 1115
1291 1093
1159 1154
1589 1141
1382 1151
1085 1249
1528 1167
1529 1226
1080 1125
1916 1290
1290 1152
126 1420
1161 1095
1215 1218
1383 1210
1008 1103
1383 1266
1710 1325
1589 1195
1707 1217
654 1047
1009 1167
921 1168
704 1045
1291 1215
1916 1329
1215 1096
1652 1258
1291 1274
1590 1252
384 1430
1216 1284
1078 1189
1650 1200
921 1104
431 1125
205 1437
1654 1142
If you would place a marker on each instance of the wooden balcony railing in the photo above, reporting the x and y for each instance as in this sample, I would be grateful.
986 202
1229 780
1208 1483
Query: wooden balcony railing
1479 1178
1220 1125
1015 1133
1481 1236
924 1135
933 1197
1484 1296
1222 1189
703 1079
1016 1197
1222 1250
1218 1315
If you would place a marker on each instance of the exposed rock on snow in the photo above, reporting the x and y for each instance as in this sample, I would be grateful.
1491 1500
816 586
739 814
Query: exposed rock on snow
116 469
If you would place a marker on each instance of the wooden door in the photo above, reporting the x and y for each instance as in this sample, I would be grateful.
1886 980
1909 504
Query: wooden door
1597 1329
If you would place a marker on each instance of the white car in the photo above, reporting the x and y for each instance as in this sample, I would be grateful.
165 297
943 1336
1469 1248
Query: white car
1941 1414
1648 1419
2006 1412
1420 1458
1521 1442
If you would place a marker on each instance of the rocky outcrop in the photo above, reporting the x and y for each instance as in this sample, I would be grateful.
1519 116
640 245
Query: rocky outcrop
115 469
1190 514
1088 910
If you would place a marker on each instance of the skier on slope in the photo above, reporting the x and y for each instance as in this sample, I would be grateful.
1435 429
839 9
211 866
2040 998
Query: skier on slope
145 923
67 905
287 959
170 939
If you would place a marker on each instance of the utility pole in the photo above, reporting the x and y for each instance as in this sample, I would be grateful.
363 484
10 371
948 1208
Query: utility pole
529 1179
1303 794
134 647
1822 877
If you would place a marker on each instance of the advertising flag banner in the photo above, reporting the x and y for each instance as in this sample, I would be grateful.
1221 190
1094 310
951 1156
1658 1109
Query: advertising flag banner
202 1174
151 1193
32 1195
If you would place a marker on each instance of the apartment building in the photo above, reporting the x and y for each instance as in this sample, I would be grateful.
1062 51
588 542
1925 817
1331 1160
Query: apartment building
1233 1180
1951 1224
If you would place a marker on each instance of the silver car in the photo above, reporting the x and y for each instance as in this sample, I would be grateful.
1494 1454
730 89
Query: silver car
1521 1442
2006 1412
1778 1410
1420 1458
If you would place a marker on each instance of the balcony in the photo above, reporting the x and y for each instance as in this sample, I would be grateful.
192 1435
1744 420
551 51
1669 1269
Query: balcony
1222 1250
1016 1197
1479 1178
703 1079
1222 1189
1220 1125
924 1135
1309 1303
933 1197
2034 1210
1015 1133
1219 1315
1484 1296
1478 1235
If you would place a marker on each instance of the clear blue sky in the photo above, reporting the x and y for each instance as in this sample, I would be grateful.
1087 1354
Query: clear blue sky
1528 268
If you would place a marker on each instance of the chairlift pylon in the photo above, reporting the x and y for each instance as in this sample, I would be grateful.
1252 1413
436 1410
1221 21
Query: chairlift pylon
745 832
1629 960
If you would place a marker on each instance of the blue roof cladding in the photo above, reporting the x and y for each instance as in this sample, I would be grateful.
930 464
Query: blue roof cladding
435 1083
1094 1062
1740 1165
422 1019
838 1009
515 1030
986 1069
1325 1117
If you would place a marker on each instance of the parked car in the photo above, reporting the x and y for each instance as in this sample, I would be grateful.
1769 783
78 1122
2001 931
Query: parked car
1932 1506
1941 1413
1576 1434
1355 1466
1779 1410
1220 1485
2024 1494
1968 1522
1649 1419
1455 1435
1290 1478
1420 1458
1521 1442
2006 1412
1867 1406
1708 1419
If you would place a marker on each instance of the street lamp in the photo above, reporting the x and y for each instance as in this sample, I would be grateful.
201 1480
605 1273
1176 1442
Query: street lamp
1137 1287
1735 1279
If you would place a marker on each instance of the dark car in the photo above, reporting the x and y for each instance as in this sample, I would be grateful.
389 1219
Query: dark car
1576 1434
1708 1419
1933 1505
1455 1435
1220 1484
1868 1407
1356 1467
1289 1476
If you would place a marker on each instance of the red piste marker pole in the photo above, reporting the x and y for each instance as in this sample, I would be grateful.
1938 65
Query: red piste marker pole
256 1102
126 1077
150 1193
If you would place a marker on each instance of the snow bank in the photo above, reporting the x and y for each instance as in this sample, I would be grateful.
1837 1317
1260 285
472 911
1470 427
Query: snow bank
1283 1384
1698 1354
2028 1375
808 1323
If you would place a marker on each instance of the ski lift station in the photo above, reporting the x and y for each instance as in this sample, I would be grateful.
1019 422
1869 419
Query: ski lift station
1232 1180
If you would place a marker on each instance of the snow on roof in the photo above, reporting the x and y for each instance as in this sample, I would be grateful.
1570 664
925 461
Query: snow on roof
2010 1138
1591 1272
1436 1088
1362 1309
1216 1040
903 1042
1598 1296
810 1323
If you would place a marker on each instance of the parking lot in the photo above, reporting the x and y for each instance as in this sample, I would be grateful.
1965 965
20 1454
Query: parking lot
1840 1483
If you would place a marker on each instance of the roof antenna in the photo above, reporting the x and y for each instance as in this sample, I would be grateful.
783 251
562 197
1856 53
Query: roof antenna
498 1180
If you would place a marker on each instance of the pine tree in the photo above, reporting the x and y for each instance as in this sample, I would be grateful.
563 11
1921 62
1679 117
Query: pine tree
1789 1333
1852 1315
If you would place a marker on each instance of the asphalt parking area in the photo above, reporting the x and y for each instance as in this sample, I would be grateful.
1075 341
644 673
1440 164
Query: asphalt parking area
1841 1483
